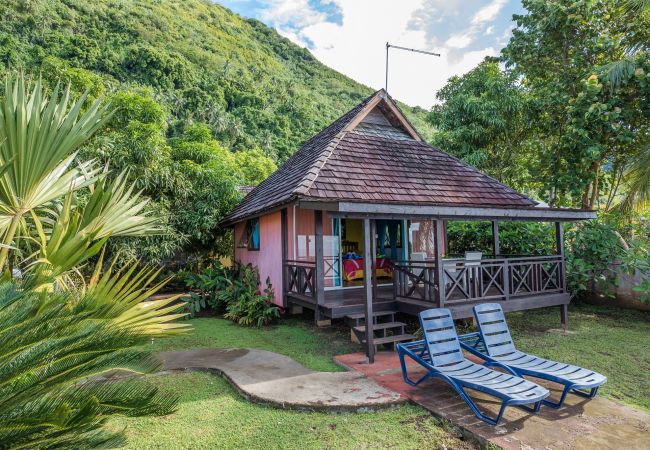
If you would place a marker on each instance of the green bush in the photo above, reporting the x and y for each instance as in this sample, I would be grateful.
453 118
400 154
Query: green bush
207 288
235 290
245 303
597 254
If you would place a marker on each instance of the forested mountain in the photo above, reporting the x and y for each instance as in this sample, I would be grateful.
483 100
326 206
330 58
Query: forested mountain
205 100
206 64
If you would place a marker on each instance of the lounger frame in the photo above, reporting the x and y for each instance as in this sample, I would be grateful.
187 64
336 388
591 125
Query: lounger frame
441 355
493 344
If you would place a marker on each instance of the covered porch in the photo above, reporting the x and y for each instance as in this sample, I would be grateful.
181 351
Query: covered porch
517 282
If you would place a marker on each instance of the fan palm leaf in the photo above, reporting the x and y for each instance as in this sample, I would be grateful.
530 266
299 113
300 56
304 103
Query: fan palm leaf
114 210
39 136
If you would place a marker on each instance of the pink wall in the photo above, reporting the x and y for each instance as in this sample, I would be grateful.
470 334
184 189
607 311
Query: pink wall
268 258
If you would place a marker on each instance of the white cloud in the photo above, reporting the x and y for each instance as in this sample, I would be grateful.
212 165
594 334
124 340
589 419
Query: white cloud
489 12
298 13
459 41
355 44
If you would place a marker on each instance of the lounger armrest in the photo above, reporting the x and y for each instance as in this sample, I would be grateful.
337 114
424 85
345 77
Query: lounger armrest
473 343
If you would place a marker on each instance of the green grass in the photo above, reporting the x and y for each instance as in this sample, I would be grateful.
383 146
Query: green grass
294 336
609 340
212 415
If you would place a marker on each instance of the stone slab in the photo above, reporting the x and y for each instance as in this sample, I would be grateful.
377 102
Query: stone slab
581 423
268 377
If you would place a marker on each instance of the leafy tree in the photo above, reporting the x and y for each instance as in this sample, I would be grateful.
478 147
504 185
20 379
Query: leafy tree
482 119
556 47
254 165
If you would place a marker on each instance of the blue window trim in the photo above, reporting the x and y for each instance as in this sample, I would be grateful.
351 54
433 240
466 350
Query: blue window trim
253 234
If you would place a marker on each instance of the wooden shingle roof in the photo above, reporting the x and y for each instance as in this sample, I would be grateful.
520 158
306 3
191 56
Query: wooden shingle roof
372 154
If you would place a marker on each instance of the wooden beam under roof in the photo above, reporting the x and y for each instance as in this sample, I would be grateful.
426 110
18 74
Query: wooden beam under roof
406 211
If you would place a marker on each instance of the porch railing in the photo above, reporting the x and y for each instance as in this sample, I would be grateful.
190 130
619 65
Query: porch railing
414 279
488 279
301 277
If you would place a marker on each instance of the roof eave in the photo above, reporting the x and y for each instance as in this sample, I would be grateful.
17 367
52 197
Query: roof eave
399 210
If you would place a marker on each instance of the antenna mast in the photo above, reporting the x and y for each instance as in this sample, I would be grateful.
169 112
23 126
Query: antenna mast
388 45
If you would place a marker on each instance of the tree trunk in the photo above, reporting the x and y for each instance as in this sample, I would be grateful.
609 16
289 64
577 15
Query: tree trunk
594 192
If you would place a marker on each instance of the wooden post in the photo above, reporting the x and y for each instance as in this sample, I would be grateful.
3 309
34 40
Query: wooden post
440 278
496 247
559 243
373 259
285 254
368 284
405 240
319 276
445 247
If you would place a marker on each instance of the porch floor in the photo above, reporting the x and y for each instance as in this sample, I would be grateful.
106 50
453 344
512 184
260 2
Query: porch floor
342 302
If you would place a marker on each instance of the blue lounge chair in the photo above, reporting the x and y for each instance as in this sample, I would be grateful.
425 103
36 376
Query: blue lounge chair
440 353
494 344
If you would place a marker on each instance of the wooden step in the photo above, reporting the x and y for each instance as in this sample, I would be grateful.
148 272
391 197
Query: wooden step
392 339
374 314
354 320
380 326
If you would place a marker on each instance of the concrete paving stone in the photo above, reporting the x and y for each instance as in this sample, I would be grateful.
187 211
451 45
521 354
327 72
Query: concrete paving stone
268 377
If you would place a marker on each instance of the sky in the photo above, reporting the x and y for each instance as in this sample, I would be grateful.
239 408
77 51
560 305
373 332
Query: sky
350 36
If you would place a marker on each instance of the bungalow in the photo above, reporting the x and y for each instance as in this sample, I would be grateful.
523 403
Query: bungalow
353 225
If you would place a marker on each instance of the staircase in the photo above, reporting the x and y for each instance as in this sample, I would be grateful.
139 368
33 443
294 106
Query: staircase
385 329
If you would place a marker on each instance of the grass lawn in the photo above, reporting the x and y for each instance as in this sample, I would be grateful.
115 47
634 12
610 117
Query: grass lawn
212 415
609 340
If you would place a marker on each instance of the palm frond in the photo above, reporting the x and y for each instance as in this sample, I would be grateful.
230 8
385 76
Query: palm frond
637 196
57 358
114 210
618 72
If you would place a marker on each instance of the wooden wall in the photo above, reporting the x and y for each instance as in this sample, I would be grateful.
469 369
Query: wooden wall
268 258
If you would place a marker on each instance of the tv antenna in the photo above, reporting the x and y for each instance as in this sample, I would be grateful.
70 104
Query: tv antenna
389 45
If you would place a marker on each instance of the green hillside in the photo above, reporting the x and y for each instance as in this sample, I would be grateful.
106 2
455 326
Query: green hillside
205 101
252 86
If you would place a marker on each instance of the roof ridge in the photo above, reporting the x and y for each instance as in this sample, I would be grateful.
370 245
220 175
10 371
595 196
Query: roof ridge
314 171
303 187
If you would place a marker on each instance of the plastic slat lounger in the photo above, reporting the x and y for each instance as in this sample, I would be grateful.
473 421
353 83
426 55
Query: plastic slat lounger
440 353
494 344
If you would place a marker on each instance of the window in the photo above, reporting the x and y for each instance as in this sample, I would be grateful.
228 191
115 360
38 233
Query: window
251 236
253 230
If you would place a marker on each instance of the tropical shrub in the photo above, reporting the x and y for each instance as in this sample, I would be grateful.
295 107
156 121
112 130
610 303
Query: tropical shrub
255 308
208 287
245 303
597 255
60 332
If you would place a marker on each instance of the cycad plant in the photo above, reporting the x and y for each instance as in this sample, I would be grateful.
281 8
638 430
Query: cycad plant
58 352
